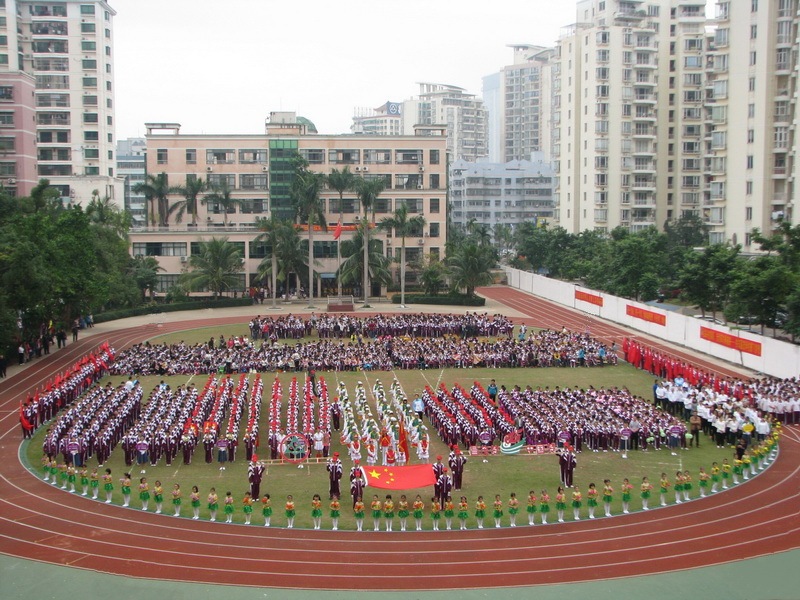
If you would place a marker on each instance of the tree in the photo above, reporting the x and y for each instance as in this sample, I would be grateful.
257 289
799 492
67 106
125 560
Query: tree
221 195
367 191
403 226
156 190
103 211
637 260
215 267
190 191
470 266
432 273
503 236
351 271
144 271
341 181
706 277
305 190
44 196
762 289
285 252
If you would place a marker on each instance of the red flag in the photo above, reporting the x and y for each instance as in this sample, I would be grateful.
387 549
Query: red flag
402 443
338 231
399 478
26 425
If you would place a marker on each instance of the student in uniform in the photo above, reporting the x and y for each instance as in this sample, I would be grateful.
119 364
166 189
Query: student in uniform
531 509
561 503
591 499
194 500
266 509
627 487
176 500
544 506
576 504
108 487
335 512
290 511
247 507
144 492
513 509
418 507
376 508
463 513
316 511
480 511
608 496
402 511
388 511
646 490
498 510
435 514
158 496
358 512
213 504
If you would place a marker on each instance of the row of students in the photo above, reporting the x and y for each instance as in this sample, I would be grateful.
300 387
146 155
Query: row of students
384 511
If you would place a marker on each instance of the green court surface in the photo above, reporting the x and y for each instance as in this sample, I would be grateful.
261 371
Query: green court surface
765 578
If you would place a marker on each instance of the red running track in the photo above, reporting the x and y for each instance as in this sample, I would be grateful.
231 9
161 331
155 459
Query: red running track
42 523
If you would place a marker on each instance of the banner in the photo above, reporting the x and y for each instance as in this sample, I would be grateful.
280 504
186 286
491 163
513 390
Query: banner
645 315
590 298
730 341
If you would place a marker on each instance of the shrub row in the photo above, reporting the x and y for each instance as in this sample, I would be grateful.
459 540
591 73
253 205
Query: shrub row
452 300
153 308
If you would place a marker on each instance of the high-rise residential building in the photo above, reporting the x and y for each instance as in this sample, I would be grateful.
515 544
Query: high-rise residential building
463 114
751 115
258 169
131 168
509 193
387 119
514 104
67 46
658 112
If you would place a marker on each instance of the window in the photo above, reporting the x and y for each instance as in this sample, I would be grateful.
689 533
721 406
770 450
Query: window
748 188
91 153
89 100
87 9
159 249
315 156
6 92
748 213
88 27
90 118
91 170
161 156
220 181
753 32
345 156
749 163
253 182
433 157
253 206
719 140
434 181
89 64
692 62
191 156
87 46
434 230
6 119
220 157
90 82
91 136
258 155
602 56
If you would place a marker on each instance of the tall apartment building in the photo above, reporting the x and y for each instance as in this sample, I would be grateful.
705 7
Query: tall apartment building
509 193
67 47
514 105
387 119
257 169
463 114
752 116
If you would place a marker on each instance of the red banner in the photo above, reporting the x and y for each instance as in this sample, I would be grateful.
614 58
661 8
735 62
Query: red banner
590 298
730 341
399 478
645 315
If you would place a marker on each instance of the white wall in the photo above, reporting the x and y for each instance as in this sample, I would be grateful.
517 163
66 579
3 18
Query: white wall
777 358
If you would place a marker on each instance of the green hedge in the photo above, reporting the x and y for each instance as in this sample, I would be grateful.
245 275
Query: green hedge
441 300
153 308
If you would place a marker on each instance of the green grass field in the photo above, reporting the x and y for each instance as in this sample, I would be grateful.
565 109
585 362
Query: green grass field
496 475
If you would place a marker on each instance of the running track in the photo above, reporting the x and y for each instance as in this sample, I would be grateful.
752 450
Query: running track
42 523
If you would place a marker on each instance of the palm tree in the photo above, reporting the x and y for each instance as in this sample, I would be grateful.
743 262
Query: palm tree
351 271
190 193
270 235
221 196
104 212
367 191
341 181
470 266
305 191
156 188
144 271
215 267
403 226
286 252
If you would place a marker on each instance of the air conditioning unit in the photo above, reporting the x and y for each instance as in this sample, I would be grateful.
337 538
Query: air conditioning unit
265 169
389 242
11 181
421 241
358 169
184 259
365 169
419 186
421 169
209 169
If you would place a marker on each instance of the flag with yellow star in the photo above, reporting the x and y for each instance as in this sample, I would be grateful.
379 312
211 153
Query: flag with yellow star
399 478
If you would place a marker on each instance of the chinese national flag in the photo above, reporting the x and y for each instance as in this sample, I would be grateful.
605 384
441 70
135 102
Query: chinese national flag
337 233
399 478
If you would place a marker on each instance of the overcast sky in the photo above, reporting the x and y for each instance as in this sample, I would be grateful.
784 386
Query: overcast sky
221 67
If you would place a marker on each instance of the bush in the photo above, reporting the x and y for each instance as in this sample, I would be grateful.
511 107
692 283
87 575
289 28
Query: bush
449 299
153 308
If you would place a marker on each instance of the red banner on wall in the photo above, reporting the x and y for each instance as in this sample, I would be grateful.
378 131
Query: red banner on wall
730 341
645 315
590 298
